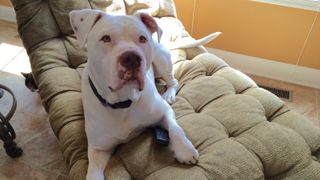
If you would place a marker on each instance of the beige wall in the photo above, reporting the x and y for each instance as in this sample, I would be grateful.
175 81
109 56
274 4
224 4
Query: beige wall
256 29
5 3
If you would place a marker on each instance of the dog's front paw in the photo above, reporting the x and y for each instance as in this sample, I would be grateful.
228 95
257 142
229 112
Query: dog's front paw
169 96
184 151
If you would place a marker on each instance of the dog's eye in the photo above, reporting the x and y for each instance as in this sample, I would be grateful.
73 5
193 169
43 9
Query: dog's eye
142 39
106 38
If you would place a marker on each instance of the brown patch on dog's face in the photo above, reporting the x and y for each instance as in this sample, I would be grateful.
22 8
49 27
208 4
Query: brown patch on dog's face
97 19
82 22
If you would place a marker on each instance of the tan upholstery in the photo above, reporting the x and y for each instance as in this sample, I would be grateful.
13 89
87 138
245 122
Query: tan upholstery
240 130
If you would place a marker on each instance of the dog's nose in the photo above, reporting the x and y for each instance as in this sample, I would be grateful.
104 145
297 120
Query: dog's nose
130 60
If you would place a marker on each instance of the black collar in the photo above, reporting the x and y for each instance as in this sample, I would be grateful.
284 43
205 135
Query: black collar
118 105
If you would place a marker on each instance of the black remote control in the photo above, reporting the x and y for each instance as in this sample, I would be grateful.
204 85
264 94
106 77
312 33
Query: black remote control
161 135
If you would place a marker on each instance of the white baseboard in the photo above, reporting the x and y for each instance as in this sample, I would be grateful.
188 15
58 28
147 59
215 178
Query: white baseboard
271 69
312 5
7 14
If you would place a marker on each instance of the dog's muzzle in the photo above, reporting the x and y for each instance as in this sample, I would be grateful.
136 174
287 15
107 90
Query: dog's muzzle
131 68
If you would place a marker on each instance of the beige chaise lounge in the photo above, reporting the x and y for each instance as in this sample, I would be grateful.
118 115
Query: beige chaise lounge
240 130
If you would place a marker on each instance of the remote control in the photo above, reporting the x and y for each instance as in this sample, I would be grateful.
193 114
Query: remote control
161 135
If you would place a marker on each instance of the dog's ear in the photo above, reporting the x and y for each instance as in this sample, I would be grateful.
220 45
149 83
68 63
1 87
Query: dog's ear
82 21
150 23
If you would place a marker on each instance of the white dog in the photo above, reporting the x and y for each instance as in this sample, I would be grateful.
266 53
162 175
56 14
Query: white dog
119 94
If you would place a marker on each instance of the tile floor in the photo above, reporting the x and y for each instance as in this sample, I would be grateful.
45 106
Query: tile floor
42 158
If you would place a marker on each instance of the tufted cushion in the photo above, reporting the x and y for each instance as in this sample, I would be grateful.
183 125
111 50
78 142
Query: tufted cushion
240 130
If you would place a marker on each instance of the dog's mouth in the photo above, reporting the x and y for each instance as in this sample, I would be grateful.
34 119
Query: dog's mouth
129 77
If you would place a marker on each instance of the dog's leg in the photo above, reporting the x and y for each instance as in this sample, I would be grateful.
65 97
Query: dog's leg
172 86
163 66
98 160
183 149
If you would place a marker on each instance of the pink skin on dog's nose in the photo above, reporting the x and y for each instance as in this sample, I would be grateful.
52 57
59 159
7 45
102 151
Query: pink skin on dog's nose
140 78
130 76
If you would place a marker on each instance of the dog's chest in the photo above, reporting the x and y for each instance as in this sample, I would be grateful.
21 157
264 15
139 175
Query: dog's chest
111 127
138 118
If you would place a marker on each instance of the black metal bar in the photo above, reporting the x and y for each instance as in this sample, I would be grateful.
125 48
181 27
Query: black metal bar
7 133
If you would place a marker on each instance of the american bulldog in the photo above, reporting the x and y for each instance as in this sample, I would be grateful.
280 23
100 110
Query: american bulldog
119 95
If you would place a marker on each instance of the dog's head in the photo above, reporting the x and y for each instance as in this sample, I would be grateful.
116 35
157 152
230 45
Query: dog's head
120 49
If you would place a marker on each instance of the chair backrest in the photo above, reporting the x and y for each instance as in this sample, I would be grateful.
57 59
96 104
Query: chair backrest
42 20
54 54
